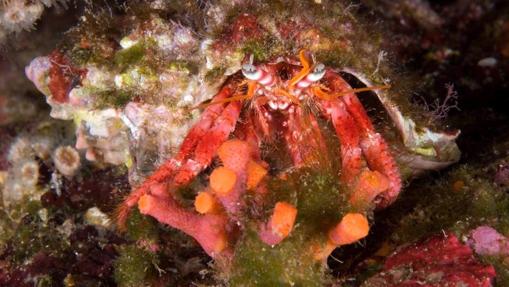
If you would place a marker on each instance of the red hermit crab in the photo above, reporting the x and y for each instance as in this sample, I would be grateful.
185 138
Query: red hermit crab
284 97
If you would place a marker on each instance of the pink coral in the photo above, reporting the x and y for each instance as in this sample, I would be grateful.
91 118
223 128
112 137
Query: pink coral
439 261
485 240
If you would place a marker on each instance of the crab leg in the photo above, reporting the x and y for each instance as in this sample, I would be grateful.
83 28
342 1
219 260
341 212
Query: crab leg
208 145
166 170
209 229
374 148
347 131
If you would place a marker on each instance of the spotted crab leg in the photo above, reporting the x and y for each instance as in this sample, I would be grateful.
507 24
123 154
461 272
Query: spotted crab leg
167 169
374 147
348 134
209 143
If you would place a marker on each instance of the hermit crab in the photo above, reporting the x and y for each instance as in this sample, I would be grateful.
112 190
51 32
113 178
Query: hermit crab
285 97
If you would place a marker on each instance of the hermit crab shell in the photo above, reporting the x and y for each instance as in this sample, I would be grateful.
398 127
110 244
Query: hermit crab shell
424 149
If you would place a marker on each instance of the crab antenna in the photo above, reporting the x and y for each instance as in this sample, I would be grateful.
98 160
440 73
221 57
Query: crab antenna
251 87
317 91
306 68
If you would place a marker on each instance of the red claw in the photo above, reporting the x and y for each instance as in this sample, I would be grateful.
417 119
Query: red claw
375 149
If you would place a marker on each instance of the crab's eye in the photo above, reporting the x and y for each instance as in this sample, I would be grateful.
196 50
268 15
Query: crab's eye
250 71
317 73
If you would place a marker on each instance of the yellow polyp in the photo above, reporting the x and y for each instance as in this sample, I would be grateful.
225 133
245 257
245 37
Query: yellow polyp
205 203
321 251
221 244
353 227
427 151
369 185
3 177
283 219
384 250
145 203
233 152
222 180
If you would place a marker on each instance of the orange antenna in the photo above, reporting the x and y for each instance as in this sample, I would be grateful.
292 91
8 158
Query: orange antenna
251 86
317 91
306 68
365 89
292 98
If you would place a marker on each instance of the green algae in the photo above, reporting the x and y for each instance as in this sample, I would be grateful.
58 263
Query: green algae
321 202
134 266
45 281
113 98
318 196
214 74
32 236
129 56
262 49
286 264
141 227
442 206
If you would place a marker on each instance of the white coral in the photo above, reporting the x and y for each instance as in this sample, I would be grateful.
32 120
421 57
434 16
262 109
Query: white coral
66 160
19 15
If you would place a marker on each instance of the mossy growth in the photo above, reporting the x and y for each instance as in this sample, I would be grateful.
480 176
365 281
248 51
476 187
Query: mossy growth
113 98
321 202
131 55
459 203
319 197
44 281
262 50
286 264
141 227
134 266
181 66
6 228
32 236
214 74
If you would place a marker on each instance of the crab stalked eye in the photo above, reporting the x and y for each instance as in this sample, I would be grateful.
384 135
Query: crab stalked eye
251 72
317 73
